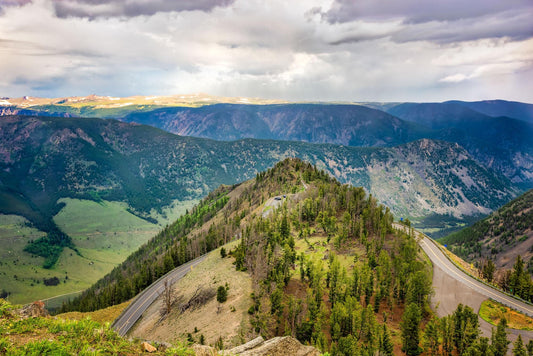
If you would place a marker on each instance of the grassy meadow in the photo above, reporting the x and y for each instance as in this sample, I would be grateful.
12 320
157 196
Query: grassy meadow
68 335
105 234
492 311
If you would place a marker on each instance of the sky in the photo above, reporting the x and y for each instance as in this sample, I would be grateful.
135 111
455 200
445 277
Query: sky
317 50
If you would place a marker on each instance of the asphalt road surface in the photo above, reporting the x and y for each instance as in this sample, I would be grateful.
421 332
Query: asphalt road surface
144 299
438 258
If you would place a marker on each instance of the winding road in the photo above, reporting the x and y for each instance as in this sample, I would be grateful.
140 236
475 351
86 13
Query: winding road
133 312
438 258
453 286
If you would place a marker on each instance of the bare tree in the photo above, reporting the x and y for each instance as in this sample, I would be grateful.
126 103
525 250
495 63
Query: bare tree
168 299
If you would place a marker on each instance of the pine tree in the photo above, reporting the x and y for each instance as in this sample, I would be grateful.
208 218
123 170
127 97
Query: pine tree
530 348
431 337
284 229
519 349
488 270
466 327
519 280
499 342
446 330
222 294
386 347
479 348
334 278
410 326
419 288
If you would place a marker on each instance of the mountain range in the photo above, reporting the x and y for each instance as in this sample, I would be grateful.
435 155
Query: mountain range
496 133
441 176
45 158
500 143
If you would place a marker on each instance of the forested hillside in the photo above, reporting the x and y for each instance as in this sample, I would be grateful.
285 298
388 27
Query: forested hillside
510 227
496 108
501 245
43 159
500 143
327 266
350 125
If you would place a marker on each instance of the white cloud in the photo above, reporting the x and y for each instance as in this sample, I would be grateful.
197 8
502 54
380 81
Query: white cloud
273 49
456 78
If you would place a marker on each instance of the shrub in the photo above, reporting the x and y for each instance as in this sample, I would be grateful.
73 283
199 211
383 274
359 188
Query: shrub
222 294
53 281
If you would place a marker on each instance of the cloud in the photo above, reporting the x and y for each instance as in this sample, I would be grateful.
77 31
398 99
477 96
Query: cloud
419 11
9 3
441 21
456 78
123 8
13 2
359 31
514 25
274 49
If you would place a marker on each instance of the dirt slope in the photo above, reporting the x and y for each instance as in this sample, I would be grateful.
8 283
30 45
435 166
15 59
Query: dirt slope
212 320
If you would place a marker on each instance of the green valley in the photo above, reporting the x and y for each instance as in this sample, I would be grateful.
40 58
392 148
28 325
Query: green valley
112 234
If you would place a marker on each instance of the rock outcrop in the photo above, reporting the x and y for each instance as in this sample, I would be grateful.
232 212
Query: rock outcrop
34 310
278 346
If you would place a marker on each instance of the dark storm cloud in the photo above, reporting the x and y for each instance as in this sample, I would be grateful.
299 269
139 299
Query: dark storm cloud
131 8
6 3
125 8
440 21
518 27
418 11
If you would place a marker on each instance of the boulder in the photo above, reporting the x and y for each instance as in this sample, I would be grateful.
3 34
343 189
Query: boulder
33 310
146 347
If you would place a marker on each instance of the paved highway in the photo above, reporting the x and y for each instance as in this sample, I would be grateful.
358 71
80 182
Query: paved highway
438 258
144 299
